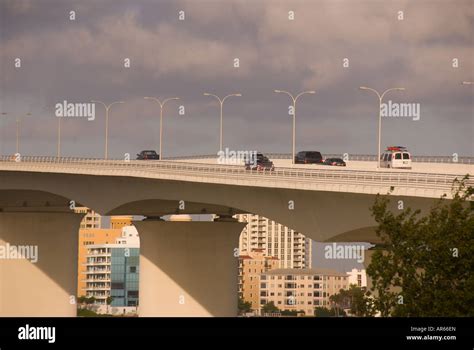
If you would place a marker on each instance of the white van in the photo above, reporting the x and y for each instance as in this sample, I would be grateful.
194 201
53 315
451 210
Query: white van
396 157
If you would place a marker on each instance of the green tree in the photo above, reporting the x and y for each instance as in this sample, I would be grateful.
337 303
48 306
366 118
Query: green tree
244 306
89 301
109 301
81 301
358 301
270 308
425 267
289 313
320 311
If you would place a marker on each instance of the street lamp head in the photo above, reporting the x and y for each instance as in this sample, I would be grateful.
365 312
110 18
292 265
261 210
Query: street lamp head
237 94
277 90
467 82
400 89
207 94
311 92
147 98
364 88
120 102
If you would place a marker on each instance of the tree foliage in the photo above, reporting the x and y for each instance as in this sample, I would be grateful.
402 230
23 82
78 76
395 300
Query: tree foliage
426 265
355 299
244 306
269 308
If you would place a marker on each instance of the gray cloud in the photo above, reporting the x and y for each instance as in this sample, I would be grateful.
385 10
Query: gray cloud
83 60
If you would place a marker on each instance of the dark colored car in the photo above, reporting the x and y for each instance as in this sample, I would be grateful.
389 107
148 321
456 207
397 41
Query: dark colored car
146 155
308 157
260 163
335 162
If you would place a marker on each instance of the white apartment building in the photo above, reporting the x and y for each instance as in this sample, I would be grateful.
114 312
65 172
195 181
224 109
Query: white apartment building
357 277
292 248
112 271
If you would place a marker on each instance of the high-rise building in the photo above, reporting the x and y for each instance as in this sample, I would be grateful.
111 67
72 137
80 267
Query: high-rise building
91 220
91 233
291 248
112 270
87 238
251 265
300 289
117 222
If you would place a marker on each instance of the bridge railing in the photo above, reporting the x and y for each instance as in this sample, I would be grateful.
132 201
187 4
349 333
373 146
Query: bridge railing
351 157
331 175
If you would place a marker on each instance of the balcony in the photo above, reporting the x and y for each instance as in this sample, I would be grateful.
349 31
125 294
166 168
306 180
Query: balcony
97 263
97 280
98 271
105 287
96 253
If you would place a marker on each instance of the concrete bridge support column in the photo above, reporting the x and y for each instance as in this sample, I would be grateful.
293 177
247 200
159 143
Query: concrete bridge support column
188 268
48 286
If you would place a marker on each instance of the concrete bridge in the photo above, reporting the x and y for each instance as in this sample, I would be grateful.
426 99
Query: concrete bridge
186 268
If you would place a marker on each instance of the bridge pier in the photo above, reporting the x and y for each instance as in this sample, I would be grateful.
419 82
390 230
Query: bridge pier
188 268
48 286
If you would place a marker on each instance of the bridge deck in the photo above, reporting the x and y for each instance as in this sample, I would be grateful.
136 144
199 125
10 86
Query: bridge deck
432 168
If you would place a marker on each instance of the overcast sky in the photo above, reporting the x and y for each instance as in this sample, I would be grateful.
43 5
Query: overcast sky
83 59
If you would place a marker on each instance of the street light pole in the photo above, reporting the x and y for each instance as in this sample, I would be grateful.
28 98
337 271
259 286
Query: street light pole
17 122
17 135
294 99
380 115
221 101
162 104
107 108
59 137
18 132
3 113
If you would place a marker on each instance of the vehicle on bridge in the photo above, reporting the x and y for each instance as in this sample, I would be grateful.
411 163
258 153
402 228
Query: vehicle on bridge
260 163
308 157
396 157
334 162
148 155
